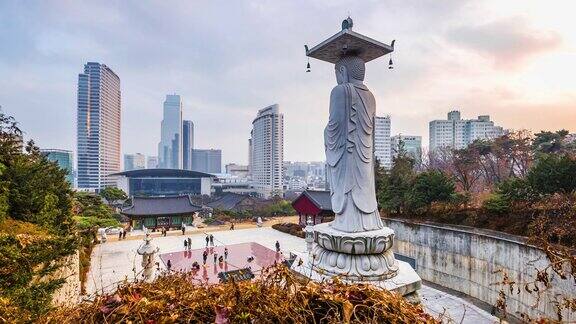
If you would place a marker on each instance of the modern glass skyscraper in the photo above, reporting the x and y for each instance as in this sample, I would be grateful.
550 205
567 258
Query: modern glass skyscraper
64 159
170 146
267 152
98 126
187 143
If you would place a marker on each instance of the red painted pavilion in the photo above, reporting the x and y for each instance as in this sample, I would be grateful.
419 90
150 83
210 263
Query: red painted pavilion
314 203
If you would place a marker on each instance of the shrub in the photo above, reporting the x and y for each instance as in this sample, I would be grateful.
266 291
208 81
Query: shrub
290 228
553 173
94 222
496 204
276 297
430 187
517 190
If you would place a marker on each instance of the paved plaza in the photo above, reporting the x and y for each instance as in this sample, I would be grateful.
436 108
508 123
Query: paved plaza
113 262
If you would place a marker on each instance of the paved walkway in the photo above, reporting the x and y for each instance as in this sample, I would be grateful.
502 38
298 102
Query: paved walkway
113 262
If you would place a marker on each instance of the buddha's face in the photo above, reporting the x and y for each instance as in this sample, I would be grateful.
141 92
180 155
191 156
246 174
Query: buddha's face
341 74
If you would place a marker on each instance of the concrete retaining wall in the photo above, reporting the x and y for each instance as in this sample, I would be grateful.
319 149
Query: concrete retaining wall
69 293
466 260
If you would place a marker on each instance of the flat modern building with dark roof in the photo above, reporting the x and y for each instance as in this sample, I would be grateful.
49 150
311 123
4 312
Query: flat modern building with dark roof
159 212
164 182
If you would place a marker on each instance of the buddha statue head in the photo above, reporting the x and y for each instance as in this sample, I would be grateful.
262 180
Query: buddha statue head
350 68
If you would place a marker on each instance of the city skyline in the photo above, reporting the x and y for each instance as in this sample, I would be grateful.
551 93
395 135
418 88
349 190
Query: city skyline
480 66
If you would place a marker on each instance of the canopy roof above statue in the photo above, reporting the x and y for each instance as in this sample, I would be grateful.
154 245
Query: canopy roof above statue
347 42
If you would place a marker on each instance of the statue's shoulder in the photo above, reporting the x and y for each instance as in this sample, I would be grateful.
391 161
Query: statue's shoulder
338 91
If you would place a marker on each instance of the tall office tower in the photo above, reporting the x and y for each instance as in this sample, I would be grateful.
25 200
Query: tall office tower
134 162
458 133
187 144
170 146
98 126
152 162
267 152
412 145
64 159
209 161
382 141
250 155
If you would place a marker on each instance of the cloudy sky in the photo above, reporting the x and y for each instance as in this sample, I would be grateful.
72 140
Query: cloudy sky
514 60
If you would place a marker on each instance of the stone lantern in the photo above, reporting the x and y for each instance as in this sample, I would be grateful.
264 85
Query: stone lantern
148 252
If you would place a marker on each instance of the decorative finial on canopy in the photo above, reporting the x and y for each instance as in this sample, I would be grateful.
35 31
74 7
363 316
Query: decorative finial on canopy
347 23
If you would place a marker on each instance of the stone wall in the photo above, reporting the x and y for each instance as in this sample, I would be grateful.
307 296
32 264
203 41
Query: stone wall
69 293
466 260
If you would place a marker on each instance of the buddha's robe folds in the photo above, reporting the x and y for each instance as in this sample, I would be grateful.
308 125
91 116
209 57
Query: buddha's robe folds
349 140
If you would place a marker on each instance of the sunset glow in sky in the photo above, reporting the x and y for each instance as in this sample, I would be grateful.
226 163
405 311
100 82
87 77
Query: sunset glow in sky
513 60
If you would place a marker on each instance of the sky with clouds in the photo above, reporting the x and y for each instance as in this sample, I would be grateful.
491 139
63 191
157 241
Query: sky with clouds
514 60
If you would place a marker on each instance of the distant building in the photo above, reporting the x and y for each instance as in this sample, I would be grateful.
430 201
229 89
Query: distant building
459 133
234 202
224 183
134 161
64 159
240 171
382 141
411 144
98 126
266 154
164 182
187 144
209 161
152 162
170 146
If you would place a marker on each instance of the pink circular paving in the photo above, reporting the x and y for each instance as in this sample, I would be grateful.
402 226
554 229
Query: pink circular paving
238 255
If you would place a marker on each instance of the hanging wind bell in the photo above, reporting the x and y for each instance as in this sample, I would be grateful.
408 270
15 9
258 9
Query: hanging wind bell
390 63
308 64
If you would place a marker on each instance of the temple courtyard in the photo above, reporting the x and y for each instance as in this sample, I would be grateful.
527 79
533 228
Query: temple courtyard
115 261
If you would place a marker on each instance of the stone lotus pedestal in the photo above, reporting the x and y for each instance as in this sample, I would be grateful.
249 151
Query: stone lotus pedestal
361 257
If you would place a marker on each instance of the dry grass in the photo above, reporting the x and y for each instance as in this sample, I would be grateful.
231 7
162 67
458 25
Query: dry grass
277 297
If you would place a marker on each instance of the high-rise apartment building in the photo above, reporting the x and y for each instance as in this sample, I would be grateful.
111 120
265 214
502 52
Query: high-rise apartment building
411 144
152 162
187 144
98 126
208 161
382 141
170 146
64 159
134 161
267 151
459 133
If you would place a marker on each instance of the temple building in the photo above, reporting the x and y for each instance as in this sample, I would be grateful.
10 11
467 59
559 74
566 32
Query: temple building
157 212
314 203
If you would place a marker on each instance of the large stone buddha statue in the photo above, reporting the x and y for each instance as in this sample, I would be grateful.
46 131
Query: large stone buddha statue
348 140
356 246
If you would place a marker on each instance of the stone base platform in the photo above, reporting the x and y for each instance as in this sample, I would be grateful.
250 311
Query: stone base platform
406 282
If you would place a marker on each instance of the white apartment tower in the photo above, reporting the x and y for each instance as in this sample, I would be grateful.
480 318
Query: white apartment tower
382 148
459 133
98 126
266 146
170 146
